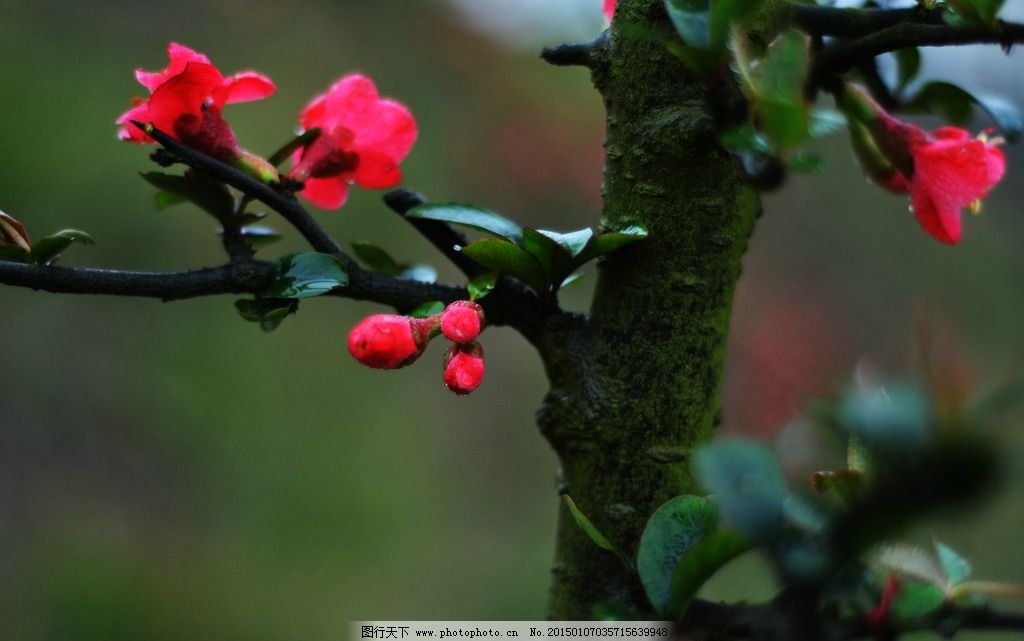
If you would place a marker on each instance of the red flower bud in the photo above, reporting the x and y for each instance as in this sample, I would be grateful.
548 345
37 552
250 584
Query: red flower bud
464 367
388 341
462 321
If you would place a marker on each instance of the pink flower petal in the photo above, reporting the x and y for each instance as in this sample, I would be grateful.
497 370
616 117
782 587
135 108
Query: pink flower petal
180 56
609 9
952 172
377 171
943 225
129 132
326 193
314 113
244 87
182 94
391 130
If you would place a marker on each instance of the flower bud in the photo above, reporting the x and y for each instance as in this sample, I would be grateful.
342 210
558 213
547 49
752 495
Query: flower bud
462 321
464 367
387 341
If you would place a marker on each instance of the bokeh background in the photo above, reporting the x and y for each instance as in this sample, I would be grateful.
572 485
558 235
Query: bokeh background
167 471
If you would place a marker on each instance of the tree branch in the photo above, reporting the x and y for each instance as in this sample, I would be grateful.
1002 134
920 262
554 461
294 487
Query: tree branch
577 54
291 210
440 235
841 57
855 23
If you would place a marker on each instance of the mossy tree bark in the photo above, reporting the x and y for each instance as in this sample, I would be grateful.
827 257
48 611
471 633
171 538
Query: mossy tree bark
635 386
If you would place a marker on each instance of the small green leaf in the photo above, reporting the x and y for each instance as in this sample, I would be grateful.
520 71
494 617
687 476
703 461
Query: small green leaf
573 242
305 275
165 199
825 121
545 250
915 601
981 13
956 568
509 259
376 258
804 514
807 163
47 248
268 312
609 242
672 530
289 147
910 561
258 235
572 280
691 20
700 563
420 273
908 64
747 139
781 74
469 216
587 526
428 309
724 14
481 285
747 484
889 420
212 197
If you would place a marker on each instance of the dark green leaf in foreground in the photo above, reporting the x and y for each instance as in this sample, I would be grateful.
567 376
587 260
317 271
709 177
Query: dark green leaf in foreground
469 216
699 564
46 249
509 259
268 312
747 485
672 530
305 275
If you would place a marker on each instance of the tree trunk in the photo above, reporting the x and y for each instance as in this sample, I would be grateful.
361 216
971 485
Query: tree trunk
635 387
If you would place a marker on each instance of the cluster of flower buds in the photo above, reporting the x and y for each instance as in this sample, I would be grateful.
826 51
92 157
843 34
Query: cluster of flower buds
390 341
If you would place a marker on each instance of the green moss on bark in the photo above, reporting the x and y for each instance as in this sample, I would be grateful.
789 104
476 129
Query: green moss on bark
635 387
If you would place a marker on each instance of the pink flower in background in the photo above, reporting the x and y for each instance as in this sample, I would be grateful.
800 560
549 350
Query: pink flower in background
609 9
186 100
362 140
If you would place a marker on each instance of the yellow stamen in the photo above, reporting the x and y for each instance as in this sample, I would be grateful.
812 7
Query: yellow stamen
975 207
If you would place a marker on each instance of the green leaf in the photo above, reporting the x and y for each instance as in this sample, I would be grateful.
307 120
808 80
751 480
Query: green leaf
428 309
910 561
572 280
700 564
824 122
609 242
607 611
786 124
804 514
691 20
376 258
747 484
545 250
915 601
954 104
845 484
420 273
481 285
908 64
212 197
573 242
268 312
509 259
165 199
672 530
889 420
587 526
259 235
469 216
781 74
47 248
980 13
748 139
956 568
724 14
286 150
805 163
305 275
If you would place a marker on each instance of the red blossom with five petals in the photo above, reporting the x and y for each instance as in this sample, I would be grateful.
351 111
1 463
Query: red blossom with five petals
363 138
186 100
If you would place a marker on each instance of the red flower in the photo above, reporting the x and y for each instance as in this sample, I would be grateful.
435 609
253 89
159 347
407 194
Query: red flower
186 100
388 341
877 616
362 140
462 321
609 9
943 170
464 367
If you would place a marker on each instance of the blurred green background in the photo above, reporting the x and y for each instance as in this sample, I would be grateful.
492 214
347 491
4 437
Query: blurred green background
167 471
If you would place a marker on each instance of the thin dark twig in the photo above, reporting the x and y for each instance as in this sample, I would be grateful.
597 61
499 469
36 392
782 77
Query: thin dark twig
291 210
577 54
441 235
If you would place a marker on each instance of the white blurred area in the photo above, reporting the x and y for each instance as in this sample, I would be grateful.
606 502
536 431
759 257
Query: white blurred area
530 24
